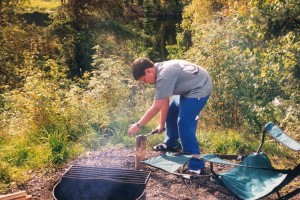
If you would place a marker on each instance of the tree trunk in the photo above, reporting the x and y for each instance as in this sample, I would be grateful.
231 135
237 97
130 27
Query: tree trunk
127 3
74 9
140 2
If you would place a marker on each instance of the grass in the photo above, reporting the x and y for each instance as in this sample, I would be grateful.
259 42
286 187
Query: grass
50 5
215 141
226 141
237 143
23 155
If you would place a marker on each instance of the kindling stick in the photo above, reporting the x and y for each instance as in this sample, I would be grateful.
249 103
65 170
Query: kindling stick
140 149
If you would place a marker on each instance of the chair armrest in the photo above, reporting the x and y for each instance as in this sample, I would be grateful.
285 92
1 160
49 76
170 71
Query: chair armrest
212 158
275 132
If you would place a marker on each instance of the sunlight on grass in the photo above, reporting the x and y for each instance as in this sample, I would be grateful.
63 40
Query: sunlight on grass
225 142
212 141
43 5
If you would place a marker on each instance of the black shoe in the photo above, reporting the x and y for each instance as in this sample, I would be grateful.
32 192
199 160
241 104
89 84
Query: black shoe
195 172
164 148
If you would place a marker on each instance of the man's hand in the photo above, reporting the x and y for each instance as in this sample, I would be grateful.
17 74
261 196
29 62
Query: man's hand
153 110
133 129
160 129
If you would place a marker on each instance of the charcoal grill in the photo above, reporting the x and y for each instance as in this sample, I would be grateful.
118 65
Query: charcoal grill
95 183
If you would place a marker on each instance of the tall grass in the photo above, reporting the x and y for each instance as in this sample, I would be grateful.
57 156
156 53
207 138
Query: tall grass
217 141
51 119
226 141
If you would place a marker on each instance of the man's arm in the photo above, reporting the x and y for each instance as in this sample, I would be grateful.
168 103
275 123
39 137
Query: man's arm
163 115
157 106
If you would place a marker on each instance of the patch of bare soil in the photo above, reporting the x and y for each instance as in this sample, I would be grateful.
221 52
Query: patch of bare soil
161 185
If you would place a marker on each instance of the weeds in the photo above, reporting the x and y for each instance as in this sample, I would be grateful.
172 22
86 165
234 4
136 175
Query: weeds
59 147
4 174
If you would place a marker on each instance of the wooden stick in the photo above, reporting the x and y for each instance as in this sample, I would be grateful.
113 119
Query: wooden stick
140 151
16 196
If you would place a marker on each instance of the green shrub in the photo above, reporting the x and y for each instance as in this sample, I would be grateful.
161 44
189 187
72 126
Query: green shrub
4 173
59 147
4 177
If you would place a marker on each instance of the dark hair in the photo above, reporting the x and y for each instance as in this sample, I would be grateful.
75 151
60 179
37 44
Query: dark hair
139 66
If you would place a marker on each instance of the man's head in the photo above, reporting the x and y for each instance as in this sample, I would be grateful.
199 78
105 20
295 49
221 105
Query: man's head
143 70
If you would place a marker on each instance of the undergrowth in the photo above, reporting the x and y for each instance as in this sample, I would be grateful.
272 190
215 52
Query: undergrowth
49 122
23 154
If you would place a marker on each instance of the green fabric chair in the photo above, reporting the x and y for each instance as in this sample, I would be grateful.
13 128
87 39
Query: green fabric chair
253 178
169 162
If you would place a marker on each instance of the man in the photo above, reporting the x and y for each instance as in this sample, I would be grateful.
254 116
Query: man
192 87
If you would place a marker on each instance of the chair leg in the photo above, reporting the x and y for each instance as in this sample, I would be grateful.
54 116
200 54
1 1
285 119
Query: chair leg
188 187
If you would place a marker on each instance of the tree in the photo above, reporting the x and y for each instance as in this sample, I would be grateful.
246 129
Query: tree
13 43
252 51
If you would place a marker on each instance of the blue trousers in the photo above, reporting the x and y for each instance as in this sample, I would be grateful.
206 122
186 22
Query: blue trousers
181 123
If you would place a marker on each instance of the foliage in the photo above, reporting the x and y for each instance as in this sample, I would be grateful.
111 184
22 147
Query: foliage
59 147
59 118
253 64
200 12
66 88
4 176
15 50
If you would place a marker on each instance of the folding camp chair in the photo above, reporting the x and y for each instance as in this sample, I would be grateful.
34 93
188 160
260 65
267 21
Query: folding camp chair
253 178
174 163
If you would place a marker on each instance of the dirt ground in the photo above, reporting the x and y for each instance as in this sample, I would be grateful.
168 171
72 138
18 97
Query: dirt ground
161 185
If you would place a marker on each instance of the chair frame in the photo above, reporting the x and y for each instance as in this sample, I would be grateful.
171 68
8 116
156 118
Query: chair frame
291 173
285 175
